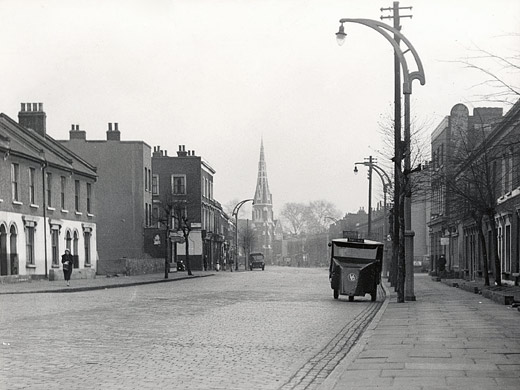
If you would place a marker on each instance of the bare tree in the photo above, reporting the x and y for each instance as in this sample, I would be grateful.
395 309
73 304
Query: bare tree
183 224
248 239
174 218
318 214
498 71
406 184
294 215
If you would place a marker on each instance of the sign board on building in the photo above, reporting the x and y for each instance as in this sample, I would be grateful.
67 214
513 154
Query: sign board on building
445 241
177 239
196 225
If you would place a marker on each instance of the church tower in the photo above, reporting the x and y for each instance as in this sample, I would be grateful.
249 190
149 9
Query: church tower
263 221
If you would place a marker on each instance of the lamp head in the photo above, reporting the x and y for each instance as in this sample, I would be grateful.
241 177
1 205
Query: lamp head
340 35
355 170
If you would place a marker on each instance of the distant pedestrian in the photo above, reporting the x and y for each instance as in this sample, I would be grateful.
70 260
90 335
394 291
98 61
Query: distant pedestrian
442 266
205 262
68 261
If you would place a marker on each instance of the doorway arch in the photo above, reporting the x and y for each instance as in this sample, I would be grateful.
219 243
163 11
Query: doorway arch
3 250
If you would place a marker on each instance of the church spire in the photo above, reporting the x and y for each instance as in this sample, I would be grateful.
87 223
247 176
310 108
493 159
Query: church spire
262 194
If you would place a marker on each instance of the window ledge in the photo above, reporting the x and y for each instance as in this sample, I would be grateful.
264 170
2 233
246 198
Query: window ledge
34 206
51 208
88 265
78 213
55 266
64 211
30 266
17 203
90 215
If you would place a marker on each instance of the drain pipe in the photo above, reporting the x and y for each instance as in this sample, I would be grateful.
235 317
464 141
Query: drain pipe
44 165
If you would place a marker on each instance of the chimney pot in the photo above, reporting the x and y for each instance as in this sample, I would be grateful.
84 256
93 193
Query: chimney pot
72 128
115 127
110 127
32 118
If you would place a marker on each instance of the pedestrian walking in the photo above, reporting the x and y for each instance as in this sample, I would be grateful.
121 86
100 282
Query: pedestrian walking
230 262
442 266
67 261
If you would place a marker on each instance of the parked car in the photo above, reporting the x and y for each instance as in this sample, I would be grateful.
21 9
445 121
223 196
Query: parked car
256 260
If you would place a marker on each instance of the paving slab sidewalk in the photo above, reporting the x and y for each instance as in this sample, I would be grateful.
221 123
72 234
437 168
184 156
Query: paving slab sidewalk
98 283
447 339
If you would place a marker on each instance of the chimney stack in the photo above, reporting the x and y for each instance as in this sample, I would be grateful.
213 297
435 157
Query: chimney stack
32 116
76 133
157 152
113 135
182 151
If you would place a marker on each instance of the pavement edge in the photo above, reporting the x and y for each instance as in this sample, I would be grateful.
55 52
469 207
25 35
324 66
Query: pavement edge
334 377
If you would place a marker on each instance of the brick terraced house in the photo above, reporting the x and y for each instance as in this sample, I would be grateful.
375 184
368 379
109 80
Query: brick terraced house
46 201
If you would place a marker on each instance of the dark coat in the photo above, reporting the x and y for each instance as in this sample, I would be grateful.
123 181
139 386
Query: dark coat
67 258
442 263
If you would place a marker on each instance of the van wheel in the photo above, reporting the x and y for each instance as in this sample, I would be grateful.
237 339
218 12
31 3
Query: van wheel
336 293
351 298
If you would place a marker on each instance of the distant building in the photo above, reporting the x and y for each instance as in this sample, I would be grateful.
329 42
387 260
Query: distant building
185 183
47 201
124 195
263 221
453 132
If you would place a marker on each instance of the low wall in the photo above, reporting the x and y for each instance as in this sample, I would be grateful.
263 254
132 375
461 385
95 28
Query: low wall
82 273
130 267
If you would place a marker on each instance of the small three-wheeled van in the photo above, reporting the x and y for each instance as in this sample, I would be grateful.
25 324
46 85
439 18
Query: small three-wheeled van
355 267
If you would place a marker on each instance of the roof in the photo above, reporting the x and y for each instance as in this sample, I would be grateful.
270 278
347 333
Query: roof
26 143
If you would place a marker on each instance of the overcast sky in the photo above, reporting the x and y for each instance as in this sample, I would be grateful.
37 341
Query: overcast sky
218 75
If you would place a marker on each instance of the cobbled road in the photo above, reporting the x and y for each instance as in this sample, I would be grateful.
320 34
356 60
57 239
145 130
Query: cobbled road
273 329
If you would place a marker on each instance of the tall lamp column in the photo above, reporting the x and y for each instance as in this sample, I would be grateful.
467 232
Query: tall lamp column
235 214
406 255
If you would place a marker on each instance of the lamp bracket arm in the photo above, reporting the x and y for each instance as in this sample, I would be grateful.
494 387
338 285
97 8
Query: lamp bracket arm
383 29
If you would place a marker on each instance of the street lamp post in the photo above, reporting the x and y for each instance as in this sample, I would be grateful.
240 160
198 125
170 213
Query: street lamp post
235 214
385 179
406 250
369 163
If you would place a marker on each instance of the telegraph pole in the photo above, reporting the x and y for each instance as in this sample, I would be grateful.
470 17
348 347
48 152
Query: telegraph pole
398 268
370 161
